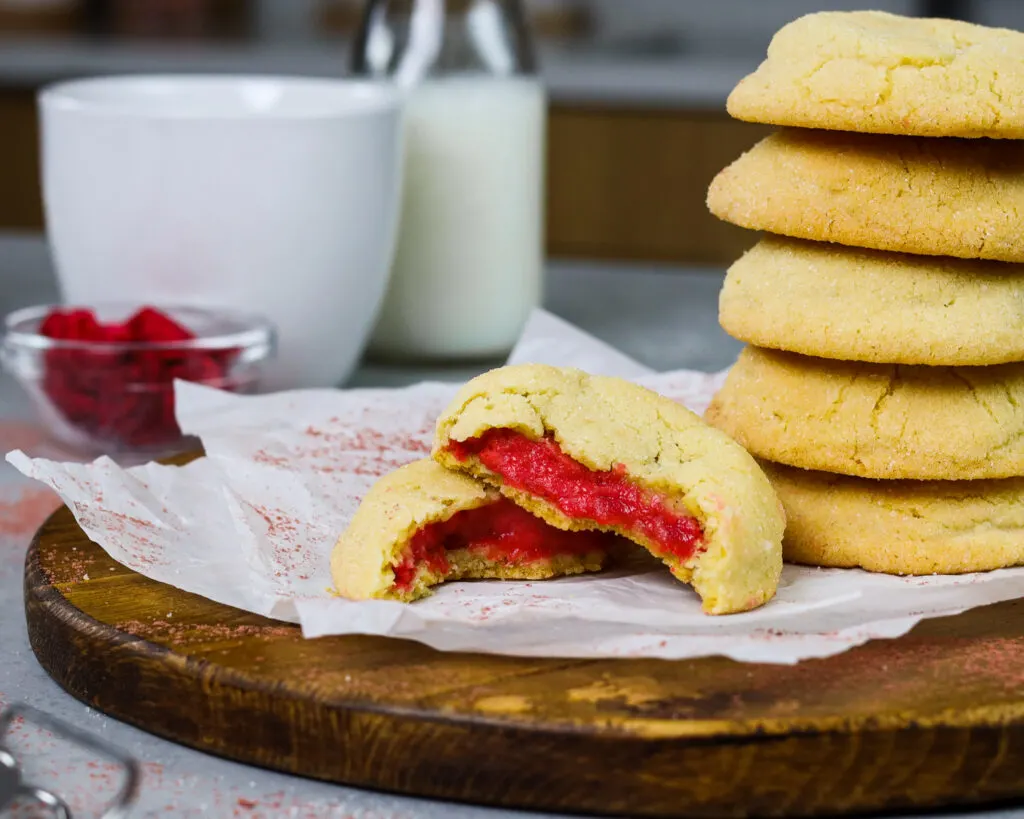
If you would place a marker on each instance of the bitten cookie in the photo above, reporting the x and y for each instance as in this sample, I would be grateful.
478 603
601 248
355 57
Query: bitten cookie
422 525
864 305
901 527
936 197
880 73
875 420
585 452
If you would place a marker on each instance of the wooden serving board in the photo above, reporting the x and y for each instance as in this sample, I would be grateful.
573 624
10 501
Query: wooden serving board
933 719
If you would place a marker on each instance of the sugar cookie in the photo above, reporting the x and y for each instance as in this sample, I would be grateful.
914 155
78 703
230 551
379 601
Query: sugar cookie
422 525
844 303
587 452
936 197
875 72
875 420
901 527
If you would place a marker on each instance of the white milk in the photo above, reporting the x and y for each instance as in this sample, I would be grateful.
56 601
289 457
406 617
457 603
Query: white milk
469 262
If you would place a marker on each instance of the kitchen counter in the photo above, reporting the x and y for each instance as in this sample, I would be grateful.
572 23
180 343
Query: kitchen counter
577 76
664 318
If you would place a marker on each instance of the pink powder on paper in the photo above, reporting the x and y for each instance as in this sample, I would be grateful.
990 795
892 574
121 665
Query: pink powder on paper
132 533
290 556
261 456
353 448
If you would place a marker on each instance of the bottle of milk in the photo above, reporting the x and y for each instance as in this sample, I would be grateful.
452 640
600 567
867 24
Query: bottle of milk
469 263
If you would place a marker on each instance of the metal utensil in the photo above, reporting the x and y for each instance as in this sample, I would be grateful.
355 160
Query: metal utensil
13 787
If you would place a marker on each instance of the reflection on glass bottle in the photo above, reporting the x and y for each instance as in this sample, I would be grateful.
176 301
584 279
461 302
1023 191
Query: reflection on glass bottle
469 262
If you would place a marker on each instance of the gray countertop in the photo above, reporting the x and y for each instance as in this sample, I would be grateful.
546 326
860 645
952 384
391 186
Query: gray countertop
665 318
572 75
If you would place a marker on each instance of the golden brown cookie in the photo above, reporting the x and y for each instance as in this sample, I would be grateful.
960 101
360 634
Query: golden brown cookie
875 420
936 197
845 303
900 527
880 73
585 452
422 525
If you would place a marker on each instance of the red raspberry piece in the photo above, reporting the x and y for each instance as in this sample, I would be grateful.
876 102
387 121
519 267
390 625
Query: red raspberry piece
124 395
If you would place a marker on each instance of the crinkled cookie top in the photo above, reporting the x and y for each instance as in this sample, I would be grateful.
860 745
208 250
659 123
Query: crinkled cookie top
881 73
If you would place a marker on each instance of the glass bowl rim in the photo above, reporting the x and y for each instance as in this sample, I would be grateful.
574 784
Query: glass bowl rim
256 329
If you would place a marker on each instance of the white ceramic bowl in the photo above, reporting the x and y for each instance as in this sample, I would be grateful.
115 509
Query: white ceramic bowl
272 195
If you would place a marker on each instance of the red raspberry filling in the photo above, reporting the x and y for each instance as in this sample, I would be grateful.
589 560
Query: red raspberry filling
123 394
501 532
541 469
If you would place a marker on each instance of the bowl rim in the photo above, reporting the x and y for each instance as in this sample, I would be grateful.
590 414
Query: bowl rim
256 330
345 97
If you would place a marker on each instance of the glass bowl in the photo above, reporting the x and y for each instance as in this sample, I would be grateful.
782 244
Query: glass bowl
114 397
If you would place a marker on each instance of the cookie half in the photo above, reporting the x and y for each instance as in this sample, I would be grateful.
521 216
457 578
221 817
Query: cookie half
875 420
867 305
936 197
422 525
901 527
592 453
880 73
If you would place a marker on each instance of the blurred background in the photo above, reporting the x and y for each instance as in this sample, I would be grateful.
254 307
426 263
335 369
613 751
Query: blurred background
637 87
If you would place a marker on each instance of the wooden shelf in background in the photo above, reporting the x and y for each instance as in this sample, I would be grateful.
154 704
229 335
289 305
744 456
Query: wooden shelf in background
631 184
58 19
21 205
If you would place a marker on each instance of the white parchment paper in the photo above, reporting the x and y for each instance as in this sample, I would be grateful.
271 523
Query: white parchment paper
253 523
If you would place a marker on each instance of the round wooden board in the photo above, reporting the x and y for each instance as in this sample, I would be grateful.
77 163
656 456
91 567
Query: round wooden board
933 719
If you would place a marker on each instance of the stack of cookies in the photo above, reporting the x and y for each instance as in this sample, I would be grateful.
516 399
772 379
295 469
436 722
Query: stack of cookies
883 388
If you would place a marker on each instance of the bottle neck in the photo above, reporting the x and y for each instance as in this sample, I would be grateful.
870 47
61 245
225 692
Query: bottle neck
410 41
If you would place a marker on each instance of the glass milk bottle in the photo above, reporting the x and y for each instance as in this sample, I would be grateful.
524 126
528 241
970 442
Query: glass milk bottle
469 263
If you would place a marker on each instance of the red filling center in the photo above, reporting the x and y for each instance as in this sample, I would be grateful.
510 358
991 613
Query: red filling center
606 498
501 532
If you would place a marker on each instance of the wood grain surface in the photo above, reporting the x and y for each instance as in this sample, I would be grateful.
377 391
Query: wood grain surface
933 719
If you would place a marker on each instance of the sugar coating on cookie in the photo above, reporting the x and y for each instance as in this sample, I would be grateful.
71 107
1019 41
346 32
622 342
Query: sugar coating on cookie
586 452
937 197
831 301
875 420
881 73
900 527
422 525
